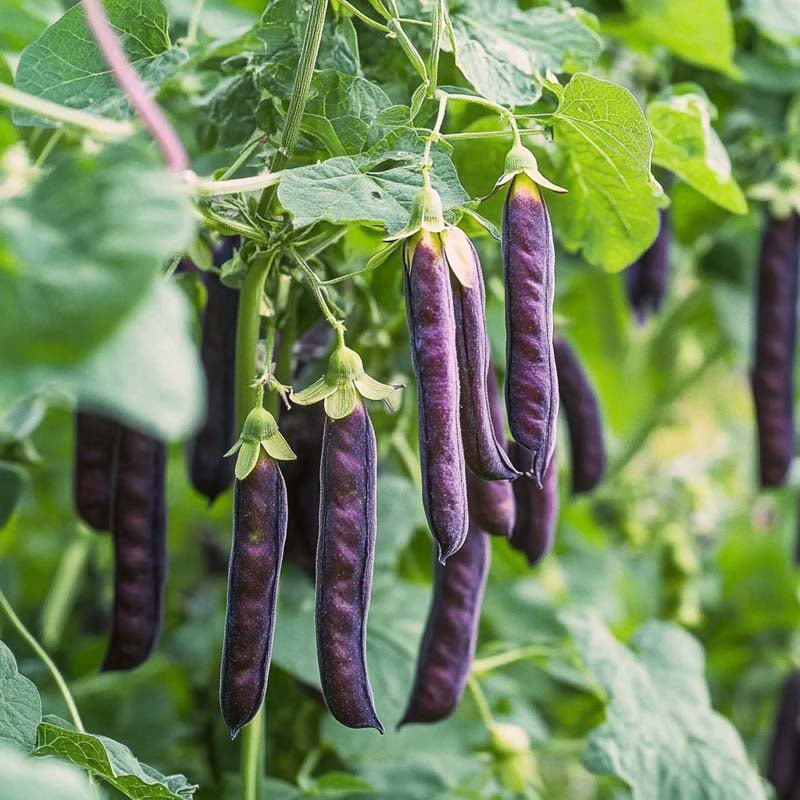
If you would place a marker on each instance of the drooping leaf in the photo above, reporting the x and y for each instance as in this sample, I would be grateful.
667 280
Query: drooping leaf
20 705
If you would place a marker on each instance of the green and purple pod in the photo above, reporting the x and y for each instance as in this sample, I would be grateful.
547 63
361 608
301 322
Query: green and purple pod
210 472
138 529
431 326
259 535
451 632
586 444
345 557
646 279
529 263
93 470
772 375
537 509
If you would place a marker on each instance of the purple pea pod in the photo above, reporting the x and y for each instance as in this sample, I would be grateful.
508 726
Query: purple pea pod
646 279
587 449
93 474
484 454
537 509
138 528
783 766
431 325
451 632
259 534
529 261
772 376
210 472
345 557
491 503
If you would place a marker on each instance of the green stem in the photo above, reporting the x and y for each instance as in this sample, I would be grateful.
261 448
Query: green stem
101 127
318 294
54 139
205 187
481 666
48 662
253 756
435 133
367 20
454 137
194 22
437 26
481 702
228 225
247 151
297 105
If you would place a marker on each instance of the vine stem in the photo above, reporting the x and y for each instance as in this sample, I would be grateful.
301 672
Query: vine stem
48 662
365 18
336 324
194 22
481 666
297 104
481 702
132 85
206 187
437 26
252 756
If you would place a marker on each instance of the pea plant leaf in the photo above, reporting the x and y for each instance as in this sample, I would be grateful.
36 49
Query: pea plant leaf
611 209
686 144
25 777
23 21
504 52
776 19
20 705
661 735
111 761
65 66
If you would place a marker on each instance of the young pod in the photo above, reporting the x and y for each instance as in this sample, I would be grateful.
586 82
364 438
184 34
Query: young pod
93 474
529 262
646 278
783 764
138 528
431 325
484 454
345 556
491 503
210 472
259 535
587 449
451 632
772 375
537 509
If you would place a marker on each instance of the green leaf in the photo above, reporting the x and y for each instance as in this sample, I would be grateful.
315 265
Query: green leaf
661 735
81 250
611 210
504 52
25 778
686 144
24 21
20 705
65 66
12 479
111 761
777 19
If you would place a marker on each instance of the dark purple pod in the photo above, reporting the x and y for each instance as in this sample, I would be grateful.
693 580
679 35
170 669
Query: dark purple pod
483 453
529 261
772 375
259 535
451 632
431 326
491 503
783 760
646 279
537 509
138 528
345 556
210 472
93 472
587 448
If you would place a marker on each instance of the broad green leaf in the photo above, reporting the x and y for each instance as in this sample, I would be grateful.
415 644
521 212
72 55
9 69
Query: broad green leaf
611 209
12 479
111 761
20 705
686 144
24 21
65 66
660 735
777 19
504 52
25 778
81 249
700 33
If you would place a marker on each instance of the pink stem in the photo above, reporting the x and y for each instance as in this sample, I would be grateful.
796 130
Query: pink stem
131 84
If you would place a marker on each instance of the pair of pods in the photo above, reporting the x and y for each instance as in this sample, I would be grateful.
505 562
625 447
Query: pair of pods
119 485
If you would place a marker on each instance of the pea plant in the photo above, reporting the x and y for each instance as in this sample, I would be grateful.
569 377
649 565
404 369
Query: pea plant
325 275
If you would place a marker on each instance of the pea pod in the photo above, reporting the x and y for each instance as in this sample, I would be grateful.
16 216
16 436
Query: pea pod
431 324
646 279
345 557
529 263
772 375
587 449
783 771
537 509
93 474
451 632
138 528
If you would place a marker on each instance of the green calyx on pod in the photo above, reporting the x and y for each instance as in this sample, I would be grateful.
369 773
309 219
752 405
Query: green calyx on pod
460 255
426 214
259 430
514 760
520 160
343 384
